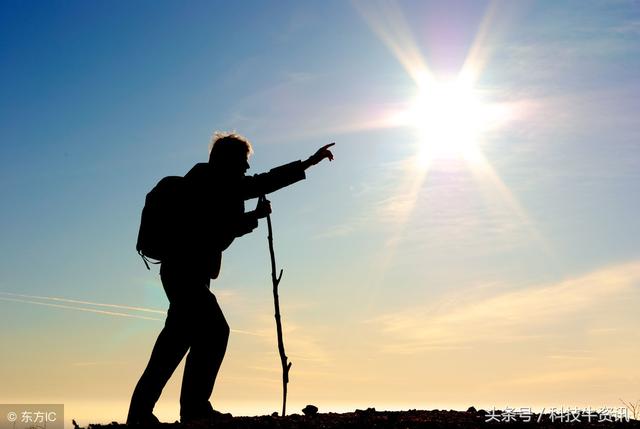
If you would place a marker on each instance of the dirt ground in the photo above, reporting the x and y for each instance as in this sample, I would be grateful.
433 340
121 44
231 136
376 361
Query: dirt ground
370 418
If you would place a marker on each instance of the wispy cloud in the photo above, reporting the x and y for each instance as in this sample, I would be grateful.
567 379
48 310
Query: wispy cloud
98 363
628 28
302 344
304 105
557 377
556 61
571 357
506 316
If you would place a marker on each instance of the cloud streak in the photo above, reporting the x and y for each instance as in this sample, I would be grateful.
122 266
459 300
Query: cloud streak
462 321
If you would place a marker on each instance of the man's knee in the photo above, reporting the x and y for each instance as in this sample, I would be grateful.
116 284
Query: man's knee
213 336
223 329
215 322
217 319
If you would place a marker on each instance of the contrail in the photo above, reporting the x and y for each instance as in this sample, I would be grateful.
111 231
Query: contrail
75 301
255 334
90 310
23 299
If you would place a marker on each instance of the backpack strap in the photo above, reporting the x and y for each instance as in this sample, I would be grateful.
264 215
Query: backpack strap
147 261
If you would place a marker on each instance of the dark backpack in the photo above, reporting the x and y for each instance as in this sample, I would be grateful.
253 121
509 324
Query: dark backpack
163 220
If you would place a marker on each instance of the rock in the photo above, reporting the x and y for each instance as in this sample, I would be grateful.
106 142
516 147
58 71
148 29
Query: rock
274 414
472 410
219 415
310 410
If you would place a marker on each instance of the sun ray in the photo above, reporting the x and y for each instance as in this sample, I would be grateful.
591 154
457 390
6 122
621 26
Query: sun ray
478 53
482 170
402 212
387 21
497 17
448 116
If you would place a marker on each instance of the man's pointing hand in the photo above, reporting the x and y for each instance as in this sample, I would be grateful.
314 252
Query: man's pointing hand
321 154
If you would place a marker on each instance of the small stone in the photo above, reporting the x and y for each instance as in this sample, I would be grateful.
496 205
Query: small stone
274 414
471 410
310 410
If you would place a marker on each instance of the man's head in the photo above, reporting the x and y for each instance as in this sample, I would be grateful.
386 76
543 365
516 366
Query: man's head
230 153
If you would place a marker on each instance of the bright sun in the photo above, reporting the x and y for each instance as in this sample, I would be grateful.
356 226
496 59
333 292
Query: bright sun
450 118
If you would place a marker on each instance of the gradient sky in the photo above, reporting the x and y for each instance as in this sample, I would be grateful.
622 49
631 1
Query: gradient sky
514 281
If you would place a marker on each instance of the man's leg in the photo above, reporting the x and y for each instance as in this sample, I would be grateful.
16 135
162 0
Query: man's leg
208 345
171 346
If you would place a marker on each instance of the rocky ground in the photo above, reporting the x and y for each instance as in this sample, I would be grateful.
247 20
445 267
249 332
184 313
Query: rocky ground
370 418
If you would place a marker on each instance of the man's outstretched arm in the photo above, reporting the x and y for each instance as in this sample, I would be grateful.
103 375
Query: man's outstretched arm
285 175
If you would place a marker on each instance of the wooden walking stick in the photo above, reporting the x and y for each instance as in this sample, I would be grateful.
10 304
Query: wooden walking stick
286 366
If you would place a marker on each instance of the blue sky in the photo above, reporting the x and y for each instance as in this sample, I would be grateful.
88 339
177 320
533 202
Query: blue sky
384 262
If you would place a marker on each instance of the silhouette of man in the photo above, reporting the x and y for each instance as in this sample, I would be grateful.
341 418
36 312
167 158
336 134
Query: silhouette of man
214 203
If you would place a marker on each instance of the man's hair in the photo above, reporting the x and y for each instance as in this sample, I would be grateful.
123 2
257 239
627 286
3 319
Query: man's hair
225 144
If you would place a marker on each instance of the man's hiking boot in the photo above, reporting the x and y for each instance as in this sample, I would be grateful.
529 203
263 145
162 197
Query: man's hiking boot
142 420
209 418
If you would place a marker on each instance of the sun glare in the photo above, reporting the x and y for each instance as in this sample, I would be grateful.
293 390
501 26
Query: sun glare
450 118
